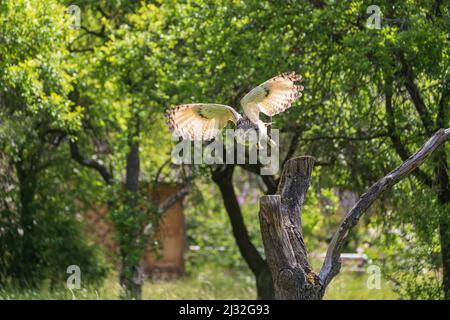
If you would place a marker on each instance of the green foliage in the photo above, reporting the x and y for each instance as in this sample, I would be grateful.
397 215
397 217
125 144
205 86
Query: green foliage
40 235
408 236
59 238
34 64
209 233
132 60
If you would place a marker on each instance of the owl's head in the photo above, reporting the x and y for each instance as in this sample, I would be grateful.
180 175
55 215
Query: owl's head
246 131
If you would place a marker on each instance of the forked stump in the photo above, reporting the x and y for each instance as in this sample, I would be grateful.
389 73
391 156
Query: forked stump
280 218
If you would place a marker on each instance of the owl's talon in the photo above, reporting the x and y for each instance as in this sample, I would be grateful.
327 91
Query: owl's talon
272 143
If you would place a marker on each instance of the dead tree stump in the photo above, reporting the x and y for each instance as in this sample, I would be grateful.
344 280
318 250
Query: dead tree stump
280 218
281 227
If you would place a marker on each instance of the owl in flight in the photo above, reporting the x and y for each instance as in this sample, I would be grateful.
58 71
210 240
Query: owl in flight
202 121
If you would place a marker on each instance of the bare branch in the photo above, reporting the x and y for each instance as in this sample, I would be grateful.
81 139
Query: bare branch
395 137
103 12
100 34
156 180
72 50
348 138
292 147
269 180
361 137
443 106
180 194
331 265
169 202
416 97
90 163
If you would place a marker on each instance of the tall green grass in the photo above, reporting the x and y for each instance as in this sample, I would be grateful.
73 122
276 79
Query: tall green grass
207 283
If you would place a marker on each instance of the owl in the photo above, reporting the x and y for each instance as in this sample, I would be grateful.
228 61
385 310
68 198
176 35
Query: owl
203 121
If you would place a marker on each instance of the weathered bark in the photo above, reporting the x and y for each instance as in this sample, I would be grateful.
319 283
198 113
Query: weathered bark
222 176
280 217
264 283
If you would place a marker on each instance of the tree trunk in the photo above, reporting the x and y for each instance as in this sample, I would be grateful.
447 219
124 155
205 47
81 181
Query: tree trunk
280 218
131 278
222 176
28 255
264 283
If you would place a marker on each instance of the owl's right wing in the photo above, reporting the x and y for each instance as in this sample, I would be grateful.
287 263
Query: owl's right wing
199 121
273 96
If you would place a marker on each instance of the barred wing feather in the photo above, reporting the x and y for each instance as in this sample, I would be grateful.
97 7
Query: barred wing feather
272 97
199 121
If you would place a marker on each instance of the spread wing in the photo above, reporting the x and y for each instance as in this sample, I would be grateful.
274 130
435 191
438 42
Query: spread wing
199 121
272 97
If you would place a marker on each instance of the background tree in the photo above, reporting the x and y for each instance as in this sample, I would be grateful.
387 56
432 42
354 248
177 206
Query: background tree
35 113
122 90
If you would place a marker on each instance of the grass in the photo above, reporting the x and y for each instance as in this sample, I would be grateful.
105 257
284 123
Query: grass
228 285
209 283
206 285
353 286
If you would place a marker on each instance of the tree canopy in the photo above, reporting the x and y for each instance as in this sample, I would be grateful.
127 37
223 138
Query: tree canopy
81 120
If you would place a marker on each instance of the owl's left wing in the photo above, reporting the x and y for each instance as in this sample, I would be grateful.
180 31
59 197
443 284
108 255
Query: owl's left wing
273 96
199 121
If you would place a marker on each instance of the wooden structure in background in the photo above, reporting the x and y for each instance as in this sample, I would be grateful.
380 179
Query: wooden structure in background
170 234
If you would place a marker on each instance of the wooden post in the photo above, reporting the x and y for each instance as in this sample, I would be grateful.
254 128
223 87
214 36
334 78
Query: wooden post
280 218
